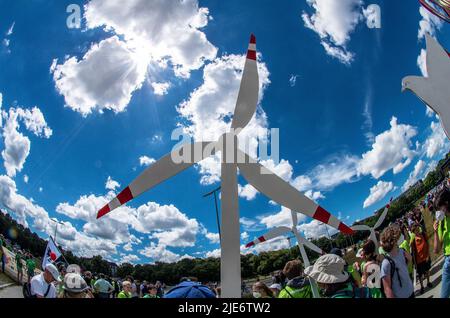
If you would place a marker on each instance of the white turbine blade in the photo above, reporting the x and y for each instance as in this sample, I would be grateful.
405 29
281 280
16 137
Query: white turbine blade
284 194
373 237
381 218
277 232
294 218
361 228
249 90
308 244
158 172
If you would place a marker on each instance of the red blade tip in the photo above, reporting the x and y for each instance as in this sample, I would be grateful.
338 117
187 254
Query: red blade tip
105 210
253 39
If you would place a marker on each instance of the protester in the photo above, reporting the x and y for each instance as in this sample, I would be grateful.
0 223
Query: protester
371 262
329 273
103 288
442 238
297 285
19 267
260 290
394 268
275 289
126 290
152 292
31 266
421 253
75 287
41 285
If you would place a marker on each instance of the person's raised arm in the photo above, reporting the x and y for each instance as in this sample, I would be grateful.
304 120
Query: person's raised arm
437 240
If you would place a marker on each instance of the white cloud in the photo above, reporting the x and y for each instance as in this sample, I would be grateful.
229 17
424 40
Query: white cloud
251 225
146 161
414 175
378 192
160 88
247 192
105 78
159 253
213 238
316 229
429 24
17 146
334 172
293 80
11 29
41 189
153 35
272 245
111 184
214 253
391 150
282 218
168 30
334 21
26 178
130 259
422 64
437 142
244 236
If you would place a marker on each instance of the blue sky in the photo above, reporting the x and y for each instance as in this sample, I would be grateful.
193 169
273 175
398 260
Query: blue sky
83 106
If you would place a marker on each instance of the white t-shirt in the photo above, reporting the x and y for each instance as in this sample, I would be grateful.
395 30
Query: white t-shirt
39 287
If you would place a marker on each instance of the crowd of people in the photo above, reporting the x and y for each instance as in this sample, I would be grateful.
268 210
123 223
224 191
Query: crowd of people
383 269
386 268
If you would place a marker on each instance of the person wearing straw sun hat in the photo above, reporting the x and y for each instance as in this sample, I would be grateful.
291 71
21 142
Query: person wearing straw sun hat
329 273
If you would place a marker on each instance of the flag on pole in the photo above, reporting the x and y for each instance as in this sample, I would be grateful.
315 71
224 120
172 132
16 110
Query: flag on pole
52 253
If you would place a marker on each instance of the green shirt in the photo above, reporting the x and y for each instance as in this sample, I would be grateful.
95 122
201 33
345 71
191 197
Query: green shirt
124 294
31 265
150 296
444 234
19 261
289 292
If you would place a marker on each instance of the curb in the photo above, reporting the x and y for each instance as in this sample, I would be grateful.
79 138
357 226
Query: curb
6 285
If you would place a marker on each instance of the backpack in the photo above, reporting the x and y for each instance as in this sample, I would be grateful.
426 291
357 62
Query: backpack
394 270
26 291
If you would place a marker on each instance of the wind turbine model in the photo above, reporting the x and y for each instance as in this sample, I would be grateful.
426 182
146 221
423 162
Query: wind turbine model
301 241
434 89
380 221
262 179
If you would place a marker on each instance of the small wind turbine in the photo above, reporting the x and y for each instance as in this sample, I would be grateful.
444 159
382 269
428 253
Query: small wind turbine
372 230
301 241
257 175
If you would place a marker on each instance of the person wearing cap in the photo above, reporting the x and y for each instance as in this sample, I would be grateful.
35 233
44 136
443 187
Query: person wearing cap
275 288
297 286
75 287
329 273
41 284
